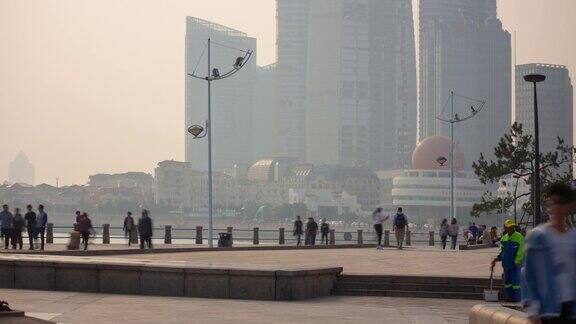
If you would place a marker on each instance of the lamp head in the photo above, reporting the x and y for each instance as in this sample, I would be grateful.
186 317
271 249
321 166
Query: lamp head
239 62
195 130
534 78
441 160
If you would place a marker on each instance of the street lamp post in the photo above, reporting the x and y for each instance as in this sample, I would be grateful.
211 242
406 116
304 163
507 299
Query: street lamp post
454 118
535 78
198 131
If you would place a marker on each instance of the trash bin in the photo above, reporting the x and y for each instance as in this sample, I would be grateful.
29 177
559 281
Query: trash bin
224 240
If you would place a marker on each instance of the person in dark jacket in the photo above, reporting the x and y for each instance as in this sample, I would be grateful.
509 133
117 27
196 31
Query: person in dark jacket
298 230
18 227
311 231
85 227
444 233
7 220
30 218
324 230
128 227
40 228
145 229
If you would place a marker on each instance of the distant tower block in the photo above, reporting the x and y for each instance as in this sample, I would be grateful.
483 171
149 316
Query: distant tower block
21 170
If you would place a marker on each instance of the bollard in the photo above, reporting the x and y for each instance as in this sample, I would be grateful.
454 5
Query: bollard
281 239
387 238
360 238
167 234
229 230
256 239
408 240
49 233
431 239
198 234
105 233
332 237
134 235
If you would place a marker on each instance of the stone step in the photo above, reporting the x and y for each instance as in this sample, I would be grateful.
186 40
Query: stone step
484 282
412 294
412 287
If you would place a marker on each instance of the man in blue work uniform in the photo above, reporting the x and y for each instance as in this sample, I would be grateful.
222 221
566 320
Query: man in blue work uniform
511 255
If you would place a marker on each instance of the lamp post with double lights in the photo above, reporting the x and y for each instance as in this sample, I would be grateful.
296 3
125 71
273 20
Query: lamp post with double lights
198 131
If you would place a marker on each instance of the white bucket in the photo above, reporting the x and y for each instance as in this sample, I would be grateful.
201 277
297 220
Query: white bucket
491 295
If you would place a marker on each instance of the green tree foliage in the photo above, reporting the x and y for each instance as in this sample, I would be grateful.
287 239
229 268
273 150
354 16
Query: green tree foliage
514 161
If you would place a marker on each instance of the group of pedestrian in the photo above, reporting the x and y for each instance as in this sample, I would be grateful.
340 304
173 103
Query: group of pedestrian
449 230
84 226
480 234
14 224
399 224
473 235
143 228
310 231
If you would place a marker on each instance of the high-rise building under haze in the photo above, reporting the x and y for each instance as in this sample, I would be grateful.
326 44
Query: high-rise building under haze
292 20
360 96
21 170
264 114
463 48
232 98
555 104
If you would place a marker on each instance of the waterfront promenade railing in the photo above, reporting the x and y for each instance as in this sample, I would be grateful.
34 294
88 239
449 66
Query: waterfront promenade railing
168 234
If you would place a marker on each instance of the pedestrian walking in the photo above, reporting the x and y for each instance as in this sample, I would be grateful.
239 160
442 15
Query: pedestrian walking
511 255
17 228
85 228
549 274
311 231
453 232
298 230
128 227
7 225
30 218
324 230
145 229
78 220
40 226
399 226
444 233
378 218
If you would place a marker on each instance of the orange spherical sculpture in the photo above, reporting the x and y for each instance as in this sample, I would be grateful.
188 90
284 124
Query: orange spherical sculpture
433 153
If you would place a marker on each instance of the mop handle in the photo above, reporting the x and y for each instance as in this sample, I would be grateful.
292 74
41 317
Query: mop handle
491 276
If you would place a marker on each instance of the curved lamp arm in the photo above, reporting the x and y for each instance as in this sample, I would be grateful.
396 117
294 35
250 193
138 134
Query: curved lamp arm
245 60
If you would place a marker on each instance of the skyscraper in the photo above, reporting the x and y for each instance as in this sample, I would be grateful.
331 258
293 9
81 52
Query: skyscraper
360 104
21 170
264 115
463 48
555 104
232 98
291 48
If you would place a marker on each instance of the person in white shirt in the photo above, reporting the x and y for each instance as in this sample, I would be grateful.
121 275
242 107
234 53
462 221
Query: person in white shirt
378 218
549 274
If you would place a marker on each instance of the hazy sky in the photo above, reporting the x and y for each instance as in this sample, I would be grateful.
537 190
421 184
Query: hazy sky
91 86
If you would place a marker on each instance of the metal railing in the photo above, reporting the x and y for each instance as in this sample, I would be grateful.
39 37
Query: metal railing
106 234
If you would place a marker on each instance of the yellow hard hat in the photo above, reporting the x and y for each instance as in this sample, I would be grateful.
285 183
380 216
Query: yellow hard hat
509 223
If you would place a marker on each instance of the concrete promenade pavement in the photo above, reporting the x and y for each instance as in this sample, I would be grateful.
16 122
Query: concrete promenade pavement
409 261
69 307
